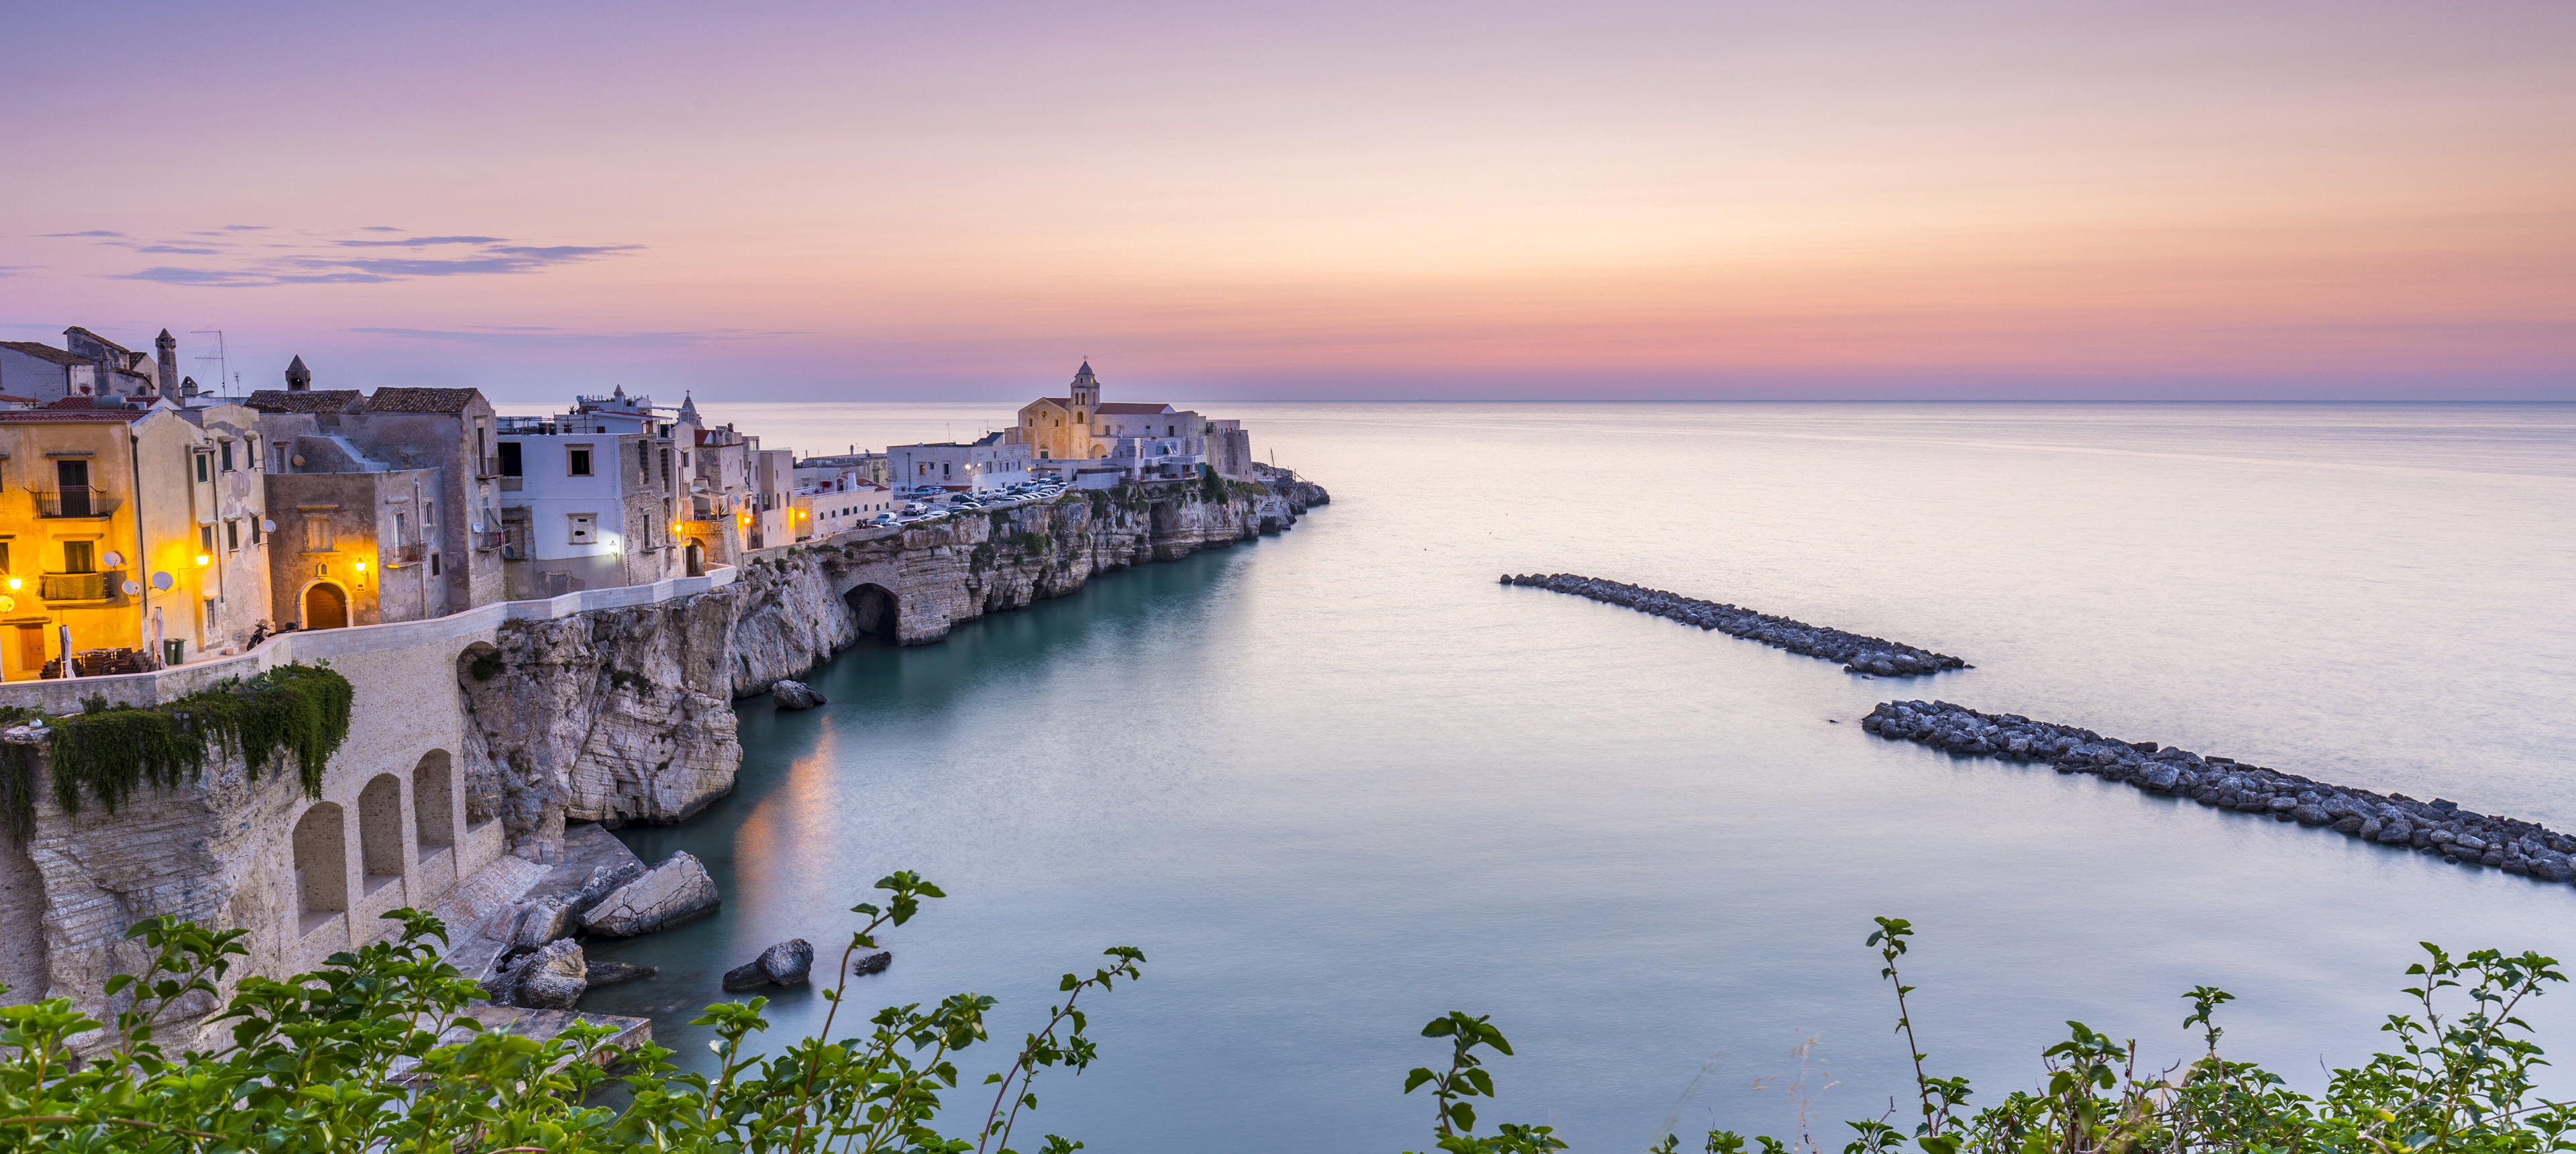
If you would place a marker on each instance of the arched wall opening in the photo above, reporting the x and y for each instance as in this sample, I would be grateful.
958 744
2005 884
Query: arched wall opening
380 840
875 609
321 865
433 801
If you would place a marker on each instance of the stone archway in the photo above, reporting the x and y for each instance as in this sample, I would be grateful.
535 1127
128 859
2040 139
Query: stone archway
321 866
875 610
325 606
433 802
380 832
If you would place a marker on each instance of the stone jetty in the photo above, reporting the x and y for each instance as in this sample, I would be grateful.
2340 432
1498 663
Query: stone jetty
2438 828
1870 655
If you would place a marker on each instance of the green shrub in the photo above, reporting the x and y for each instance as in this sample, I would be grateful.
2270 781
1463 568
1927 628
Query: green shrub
374 1053
2461 1080
107 752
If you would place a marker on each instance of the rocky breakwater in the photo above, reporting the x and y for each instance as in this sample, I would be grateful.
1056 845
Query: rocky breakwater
1866 655
2437 828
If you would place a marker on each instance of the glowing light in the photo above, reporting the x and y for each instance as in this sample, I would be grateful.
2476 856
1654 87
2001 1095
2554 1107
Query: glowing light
205 559
14 583
362 566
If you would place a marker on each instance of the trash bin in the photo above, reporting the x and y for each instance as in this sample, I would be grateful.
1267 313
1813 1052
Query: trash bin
173 652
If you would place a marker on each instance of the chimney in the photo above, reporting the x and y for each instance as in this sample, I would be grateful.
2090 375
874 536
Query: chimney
166 379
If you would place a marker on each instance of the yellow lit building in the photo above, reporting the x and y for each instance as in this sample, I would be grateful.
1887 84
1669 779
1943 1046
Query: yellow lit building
126 528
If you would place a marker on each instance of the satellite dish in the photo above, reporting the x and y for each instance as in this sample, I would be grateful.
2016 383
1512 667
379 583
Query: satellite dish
113 558
161 580
133 587
267 526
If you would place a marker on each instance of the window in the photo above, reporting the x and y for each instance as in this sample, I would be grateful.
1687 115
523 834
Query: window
643 463
80 557
210 615
4 557
585 528
510 458
428 515
206 538
228 456
402 529
433 564
317 534
254 531
1078 417
232 535
250 452
205 466
281 457
577 461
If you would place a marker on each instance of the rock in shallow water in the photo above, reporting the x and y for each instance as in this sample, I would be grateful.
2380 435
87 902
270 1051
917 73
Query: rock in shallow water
552 978
676 891
795 695
611 973
788 963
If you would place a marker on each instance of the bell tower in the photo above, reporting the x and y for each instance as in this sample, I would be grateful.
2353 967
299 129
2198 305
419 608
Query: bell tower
1086 390
298 378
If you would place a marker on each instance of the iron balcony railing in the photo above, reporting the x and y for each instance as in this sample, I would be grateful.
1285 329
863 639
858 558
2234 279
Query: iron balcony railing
77 501
412 554
81 586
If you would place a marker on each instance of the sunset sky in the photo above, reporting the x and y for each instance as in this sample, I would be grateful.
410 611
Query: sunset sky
1322 199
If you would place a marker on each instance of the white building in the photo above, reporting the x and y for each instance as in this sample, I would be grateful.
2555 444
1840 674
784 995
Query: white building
986 464
590 497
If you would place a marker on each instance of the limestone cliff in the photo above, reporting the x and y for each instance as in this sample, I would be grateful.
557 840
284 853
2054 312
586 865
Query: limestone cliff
624 715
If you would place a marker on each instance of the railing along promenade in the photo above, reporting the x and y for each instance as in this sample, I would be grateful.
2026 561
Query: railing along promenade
63 695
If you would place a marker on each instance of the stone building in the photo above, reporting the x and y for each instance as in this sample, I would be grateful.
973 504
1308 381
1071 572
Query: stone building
1146 438
990 463
88 365
451 527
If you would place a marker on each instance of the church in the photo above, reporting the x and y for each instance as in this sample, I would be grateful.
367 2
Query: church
1146 438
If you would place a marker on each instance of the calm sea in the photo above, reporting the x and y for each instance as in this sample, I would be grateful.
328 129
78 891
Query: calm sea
1338 782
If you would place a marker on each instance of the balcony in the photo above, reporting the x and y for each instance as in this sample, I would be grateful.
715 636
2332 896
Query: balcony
400 555
78 587
486 542
487 467
83 501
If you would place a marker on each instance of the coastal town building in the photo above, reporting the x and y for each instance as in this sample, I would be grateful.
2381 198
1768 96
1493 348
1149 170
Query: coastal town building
1146 440
88 365
126 526
588 498
989 463
450 524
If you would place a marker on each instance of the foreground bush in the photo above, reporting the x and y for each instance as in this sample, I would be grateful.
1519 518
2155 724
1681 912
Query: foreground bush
2460 1079
351 1058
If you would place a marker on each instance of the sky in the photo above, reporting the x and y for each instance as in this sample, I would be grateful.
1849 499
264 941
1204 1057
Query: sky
863 200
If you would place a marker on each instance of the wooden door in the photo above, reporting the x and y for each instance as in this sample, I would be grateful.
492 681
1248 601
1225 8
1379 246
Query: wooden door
31 648
325 607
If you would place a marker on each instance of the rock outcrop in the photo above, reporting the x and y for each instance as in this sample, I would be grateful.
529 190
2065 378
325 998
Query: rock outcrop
552 978
789 963
676 891
795 695
2438 828
872 962
1869 655
620 715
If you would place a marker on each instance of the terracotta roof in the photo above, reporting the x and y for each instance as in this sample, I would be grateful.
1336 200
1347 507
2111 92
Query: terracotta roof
54 416
1132 407
46 352
301 400
422 400
86 403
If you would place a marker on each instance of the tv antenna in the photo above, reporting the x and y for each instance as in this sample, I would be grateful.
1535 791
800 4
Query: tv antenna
223 363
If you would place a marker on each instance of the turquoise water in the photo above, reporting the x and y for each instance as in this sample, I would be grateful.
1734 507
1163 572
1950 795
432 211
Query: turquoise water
1337 782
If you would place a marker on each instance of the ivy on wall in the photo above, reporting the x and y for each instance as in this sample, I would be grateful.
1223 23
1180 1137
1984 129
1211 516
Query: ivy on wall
108 752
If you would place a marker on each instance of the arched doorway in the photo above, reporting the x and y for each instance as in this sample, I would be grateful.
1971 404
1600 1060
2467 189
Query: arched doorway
325 607
697 555
380 833
874 609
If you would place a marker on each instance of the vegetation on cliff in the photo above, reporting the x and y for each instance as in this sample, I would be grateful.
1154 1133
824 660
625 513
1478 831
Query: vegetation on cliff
375 1053
109 751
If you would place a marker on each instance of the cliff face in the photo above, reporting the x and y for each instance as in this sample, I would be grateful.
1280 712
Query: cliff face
625 715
